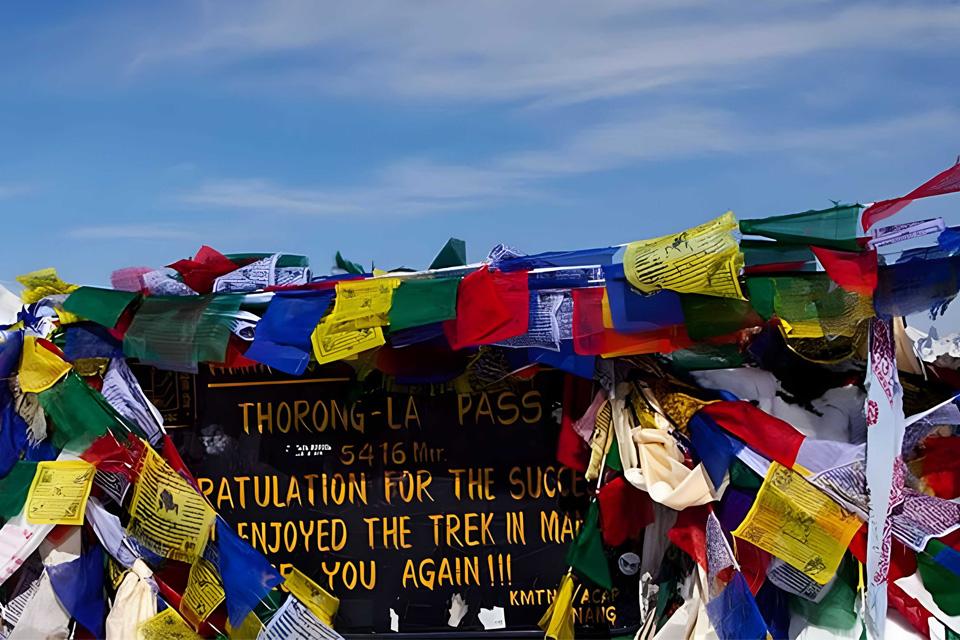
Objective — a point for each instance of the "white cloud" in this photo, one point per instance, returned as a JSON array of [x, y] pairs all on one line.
[[507, 51], [417, 186], [130, 232]]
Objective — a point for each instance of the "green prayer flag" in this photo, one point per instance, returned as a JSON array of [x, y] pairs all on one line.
[[710, 316], [743, 477], [757, 253], [586, 554], [835, 227], [345, 265], [613, 456], [836, 610], [809, 299], [453, 254], [14, 488], [706, 356], [177, 332], [940, 581], [420, 302], [80, 414], [103, 306]]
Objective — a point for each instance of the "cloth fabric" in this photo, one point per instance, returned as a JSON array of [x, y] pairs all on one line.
[[769, 436], [835, 227], [247, 576], [79, 588], [854, 271], [624, 511], [491, 306], [40, 365], [103, 306], [134, 604], [282, 338], [557, 621], [43, 617], [453, 254], [586, 554], [205, 267], [705, 259], [420, 302], [947, 181]]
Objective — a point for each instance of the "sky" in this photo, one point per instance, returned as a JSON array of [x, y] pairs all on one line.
[[133, 133]]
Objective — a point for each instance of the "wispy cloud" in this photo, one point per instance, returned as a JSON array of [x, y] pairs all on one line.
[[130, 232], [418, 186], [574, 52], [14, 190]]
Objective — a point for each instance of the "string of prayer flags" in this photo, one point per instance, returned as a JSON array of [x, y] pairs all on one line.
[[323, 604], [854, 271], [246, 575], [103, 306], [282, 338], [947, 181], [418, 302], [557, 621], [491, 307], [705, 259], [799, 524], [79, 588], [59, 491], [835, 228]]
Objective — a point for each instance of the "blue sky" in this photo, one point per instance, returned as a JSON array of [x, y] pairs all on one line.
[[132, 133]]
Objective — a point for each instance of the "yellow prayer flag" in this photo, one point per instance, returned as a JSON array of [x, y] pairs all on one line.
[[329, 347], [59, 492], [323, 604], [40, 368], [605, 313], [361, 304], [167, 515], [557, 621], [798, 523], [167, 625], [45, 282], [203, 594], [705, 259]]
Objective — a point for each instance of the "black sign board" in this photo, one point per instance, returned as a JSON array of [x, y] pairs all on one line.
[[400, 503]]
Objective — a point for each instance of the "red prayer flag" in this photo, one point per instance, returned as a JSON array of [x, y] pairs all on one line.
[[572, 451], [769, 436], [208, 265], [943, 183], [855, 271], [491, 306], [624, 511], [690, 533]]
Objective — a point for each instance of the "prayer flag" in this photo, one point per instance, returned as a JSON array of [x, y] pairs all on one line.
[[624, 511], [945, 182], [14, 488], [557, 621], [632, 311], [586, 554], [282, 337], [939, 567], [705, 259], [79, 414], [423, 301], [40, 365], [453, 254], [835, 227], [346, 266], [767, 435], [323, 604], [247, 576], [200, 272], [59, 491], [491, 306], [590, 337], [79, 588], [103, 306], [854, 271]]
